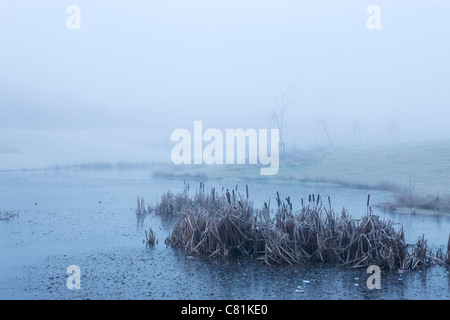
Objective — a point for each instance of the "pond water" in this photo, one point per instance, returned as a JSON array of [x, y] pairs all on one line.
[[87, 218]]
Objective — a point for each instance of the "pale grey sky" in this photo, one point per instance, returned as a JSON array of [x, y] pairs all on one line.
[[162, 64]]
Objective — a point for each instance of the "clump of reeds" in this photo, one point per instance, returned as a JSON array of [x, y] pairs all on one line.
[[150, 238], [171, 204], [215, 225], [316, 234], [228, 225], [444, 256], [141, 211]]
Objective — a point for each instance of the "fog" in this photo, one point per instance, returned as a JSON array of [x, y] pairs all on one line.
[[137, 70]]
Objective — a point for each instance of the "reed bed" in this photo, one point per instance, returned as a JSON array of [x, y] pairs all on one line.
[[218, 226], [174, 204], [226, 224]]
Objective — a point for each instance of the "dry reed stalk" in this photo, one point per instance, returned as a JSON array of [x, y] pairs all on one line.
[[150, 238]]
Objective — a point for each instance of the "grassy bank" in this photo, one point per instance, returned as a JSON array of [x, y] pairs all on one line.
[[418, 174]]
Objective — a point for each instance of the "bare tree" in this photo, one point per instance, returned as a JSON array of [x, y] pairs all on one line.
[[282, 105]]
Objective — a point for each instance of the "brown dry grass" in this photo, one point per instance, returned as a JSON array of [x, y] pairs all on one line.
[[226, 224]]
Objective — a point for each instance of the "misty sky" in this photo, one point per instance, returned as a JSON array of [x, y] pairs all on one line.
[[161, 64]]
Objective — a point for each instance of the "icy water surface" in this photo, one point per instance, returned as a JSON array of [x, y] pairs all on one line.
[[87, 218]]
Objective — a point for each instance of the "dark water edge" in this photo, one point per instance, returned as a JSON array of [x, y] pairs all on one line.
[[88, 219]]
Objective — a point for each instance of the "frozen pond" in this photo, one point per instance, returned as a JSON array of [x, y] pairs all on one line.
[[87, 218]]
